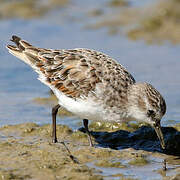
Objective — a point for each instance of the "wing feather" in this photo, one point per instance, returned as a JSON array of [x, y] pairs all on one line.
[[75, 72]]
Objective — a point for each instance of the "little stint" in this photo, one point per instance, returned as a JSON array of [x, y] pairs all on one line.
[[92, 86]]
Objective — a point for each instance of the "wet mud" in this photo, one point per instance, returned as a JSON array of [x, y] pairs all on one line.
[[27, 152], [155, 23], [160, 25], [29, 9]]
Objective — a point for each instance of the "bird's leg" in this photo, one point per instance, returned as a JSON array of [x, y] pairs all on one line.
[[54, 113], [85, 123], [54, 137]]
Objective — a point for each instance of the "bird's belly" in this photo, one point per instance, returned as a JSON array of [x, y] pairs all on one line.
[[86, 108]]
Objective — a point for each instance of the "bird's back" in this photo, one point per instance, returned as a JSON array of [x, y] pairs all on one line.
[[77, 73]]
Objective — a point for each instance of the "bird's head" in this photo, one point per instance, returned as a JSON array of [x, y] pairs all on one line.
[[146, 104]]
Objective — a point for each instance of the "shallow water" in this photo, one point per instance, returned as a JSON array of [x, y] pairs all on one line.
[[148, 172]]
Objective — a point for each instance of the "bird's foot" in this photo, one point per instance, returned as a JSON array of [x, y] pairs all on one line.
[[54, 140]]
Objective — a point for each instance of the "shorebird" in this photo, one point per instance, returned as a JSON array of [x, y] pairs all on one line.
[[92, 86]]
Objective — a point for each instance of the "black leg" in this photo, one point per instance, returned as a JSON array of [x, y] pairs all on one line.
[[54, 137], [54, 113], [85, 123]]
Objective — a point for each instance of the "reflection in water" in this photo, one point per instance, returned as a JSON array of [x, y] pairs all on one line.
[[28, 9]]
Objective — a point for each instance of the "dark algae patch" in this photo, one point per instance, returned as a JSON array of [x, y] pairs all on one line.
[[143, 138]]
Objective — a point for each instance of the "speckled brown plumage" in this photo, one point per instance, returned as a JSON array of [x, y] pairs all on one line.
[[76, 72], [92, 85]]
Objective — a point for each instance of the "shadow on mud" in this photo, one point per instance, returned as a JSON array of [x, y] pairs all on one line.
[[144, 138]]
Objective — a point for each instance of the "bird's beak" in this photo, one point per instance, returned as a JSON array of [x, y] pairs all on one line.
[[157, 127]]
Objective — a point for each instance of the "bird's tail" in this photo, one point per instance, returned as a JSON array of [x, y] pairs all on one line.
[[19, 49], [24, 51]]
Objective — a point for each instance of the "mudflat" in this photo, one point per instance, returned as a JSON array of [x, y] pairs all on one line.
[[27, 153]]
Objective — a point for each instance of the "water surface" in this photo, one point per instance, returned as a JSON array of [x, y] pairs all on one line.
[[66, 28]]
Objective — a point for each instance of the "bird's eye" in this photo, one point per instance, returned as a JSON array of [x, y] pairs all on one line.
[[150, 113]]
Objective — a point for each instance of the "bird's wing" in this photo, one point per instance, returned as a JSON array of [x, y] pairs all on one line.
[[74, 72]]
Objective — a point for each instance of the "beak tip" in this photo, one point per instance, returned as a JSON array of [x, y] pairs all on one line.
[[159, 133]]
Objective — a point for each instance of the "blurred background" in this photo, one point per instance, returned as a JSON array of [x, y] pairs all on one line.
[[142, 35]]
